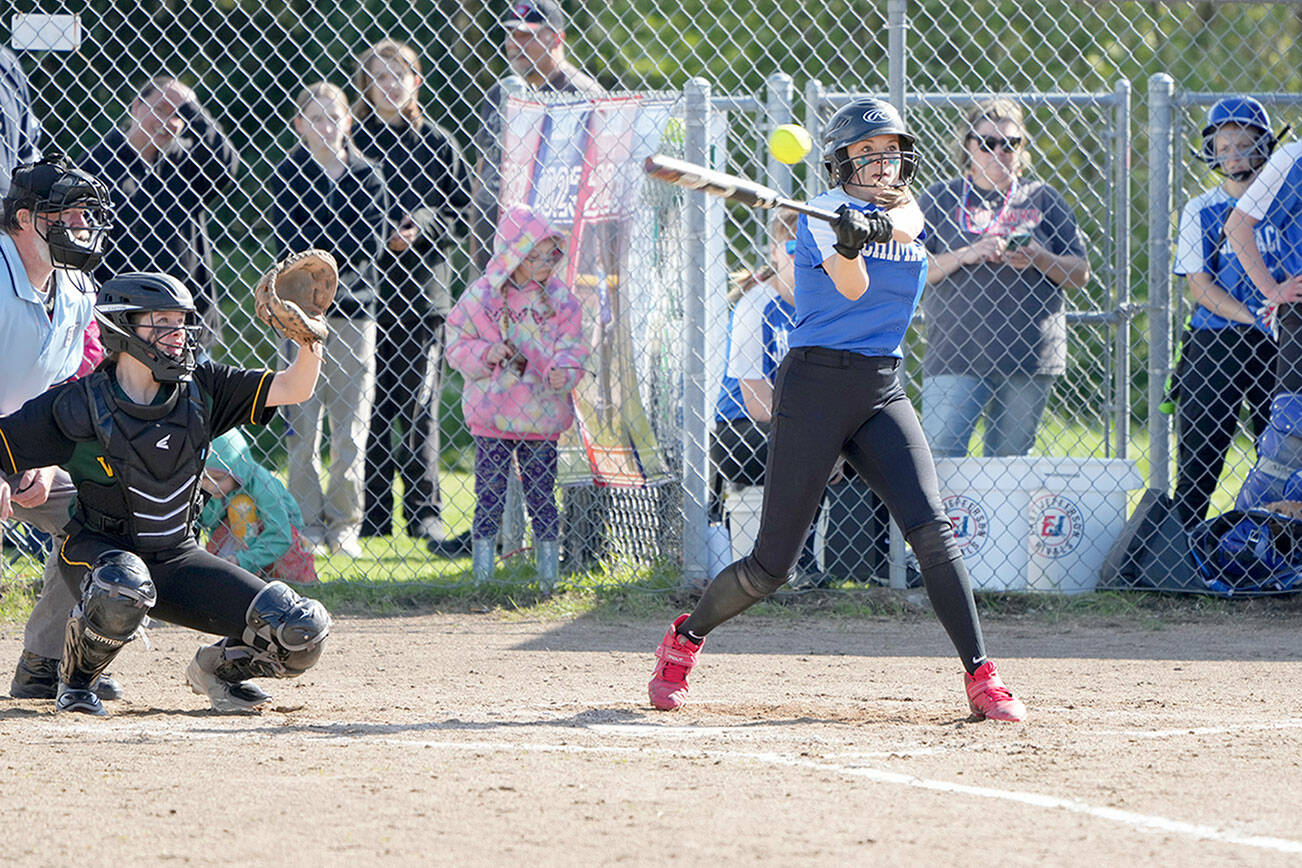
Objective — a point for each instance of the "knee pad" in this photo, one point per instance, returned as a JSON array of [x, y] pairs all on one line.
[[285, 636], [116, 595], [757, 581], [934, 544]]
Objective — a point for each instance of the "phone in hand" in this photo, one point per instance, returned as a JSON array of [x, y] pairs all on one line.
[[1018, 239]]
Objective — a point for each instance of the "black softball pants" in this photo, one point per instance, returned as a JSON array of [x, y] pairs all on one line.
[[1220, 370], [195, 589]]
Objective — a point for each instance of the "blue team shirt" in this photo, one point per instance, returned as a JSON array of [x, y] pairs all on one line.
[[1275, 197], [874, 325], [1202, 249], [759, 332]]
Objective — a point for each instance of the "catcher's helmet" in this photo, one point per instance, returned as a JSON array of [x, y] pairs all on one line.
[[1250, 114], [133, 293], [54, 185], [859, 120]]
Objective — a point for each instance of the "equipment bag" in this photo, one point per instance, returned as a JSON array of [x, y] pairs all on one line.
[[1248, 552]]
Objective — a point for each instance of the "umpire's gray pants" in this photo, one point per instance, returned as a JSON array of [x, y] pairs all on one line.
[[44, 633]]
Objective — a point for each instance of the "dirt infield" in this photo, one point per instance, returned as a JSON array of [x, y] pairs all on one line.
[[471, 739]]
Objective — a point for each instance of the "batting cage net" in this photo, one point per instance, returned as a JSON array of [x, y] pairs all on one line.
[[545, 367]]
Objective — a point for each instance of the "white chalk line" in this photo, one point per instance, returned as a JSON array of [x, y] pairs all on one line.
[[1291, 723], [1142, 822]]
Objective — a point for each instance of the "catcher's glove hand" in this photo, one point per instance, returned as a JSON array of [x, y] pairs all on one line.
[[295, 294]]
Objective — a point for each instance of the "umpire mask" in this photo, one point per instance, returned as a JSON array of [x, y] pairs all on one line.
[[52, 188]]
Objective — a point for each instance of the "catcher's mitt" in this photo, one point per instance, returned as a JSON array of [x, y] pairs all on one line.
[[295, 294]]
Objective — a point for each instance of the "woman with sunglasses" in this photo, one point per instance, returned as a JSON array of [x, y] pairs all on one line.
[[837, 393], [1003, 249]]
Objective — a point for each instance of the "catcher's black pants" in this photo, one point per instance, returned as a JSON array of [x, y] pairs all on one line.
[[1220, 370], [195, 589], [404, 436]]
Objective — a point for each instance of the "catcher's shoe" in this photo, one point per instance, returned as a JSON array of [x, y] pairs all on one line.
[[225, 696], [37, 677], [73, 699], [677, 656], [989, 699]]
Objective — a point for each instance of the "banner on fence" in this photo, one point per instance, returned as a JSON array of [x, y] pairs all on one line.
[[579, 164]]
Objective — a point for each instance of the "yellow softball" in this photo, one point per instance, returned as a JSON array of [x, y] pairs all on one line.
[[790, 143]]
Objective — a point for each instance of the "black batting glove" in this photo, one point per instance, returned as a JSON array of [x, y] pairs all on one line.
[[855, 229]]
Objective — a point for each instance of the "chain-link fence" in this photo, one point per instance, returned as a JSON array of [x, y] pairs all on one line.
[[220, 177]]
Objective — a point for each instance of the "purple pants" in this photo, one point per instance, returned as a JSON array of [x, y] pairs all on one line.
[[537, 459]]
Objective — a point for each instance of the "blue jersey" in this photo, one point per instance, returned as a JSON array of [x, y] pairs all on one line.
[[1203, 249], [1275, 197], [758, 338], [873, 325]]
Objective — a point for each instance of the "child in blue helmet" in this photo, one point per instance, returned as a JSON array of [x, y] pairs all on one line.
[[837, 393], [1269, 214], [1228, 356]]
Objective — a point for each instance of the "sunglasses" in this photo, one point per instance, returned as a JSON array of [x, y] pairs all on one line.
[[990, 143], [555, 256]]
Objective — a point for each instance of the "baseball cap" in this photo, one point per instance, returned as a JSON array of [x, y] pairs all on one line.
[[533, 14]]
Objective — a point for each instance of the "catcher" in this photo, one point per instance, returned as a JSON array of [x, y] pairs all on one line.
[[133, 436]]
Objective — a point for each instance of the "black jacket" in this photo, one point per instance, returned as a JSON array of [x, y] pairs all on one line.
[[160, 210], [347, 217], [427, 179]]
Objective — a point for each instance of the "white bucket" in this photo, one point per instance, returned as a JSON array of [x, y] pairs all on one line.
[[744, 506], [1043, 524]]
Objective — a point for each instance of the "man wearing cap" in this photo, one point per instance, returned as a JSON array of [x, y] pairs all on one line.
[[168, 166], [534, 46], [20, 131], [55, 224]]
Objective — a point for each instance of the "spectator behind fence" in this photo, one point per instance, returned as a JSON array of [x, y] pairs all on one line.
[[517, 337], [20, 131], [55, 223], [758, 328], [534, 33], [252, 519], [164, 172], [1274, 201], [327, 195], [1002, 249], [1228, 353], [428, 193]]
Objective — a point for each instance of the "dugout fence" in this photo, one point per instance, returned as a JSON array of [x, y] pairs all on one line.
[[1120, 157]]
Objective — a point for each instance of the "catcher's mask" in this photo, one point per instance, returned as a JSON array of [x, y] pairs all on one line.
[[1246, 112], [863, 119], [119, 302], [48, 189]]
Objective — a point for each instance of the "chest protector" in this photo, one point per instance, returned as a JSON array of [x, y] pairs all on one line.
[[155, 455]]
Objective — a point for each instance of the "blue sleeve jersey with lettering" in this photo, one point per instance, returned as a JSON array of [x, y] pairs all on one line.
[[41, 349], [758, 337], [1202, 249], [874, 324], [1275, 197]]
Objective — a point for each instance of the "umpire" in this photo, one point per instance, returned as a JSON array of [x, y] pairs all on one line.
[[55, 222]]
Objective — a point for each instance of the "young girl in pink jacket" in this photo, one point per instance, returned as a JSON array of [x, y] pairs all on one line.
[[517, 337]]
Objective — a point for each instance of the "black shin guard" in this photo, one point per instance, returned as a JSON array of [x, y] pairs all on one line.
[[117, 595], [945, 577], [738, 586]]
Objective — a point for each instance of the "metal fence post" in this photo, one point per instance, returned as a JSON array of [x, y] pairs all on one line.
[[1121, 266], [1161, 89], [897, 24], [695, 394], [779, 94]]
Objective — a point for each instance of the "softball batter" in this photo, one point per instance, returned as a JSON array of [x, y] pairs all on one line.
[[858, 282]]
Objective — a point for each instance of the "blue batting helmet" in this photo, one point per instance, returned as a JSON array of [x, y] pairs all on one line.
[[1246, 112], [862, 119]]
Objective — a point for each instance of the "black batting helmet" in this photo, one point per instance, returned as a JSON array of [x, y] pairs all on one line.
[[53, 185], [861, 119], [141, 292]]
